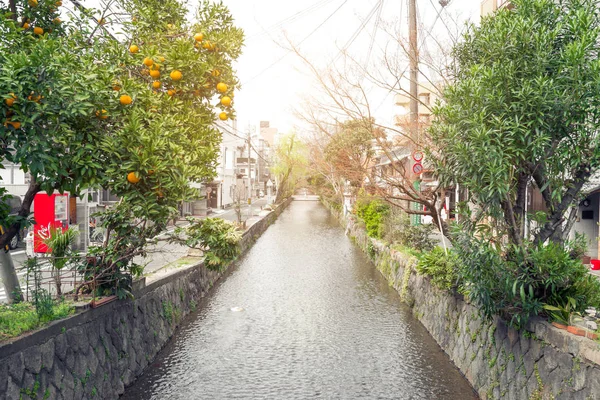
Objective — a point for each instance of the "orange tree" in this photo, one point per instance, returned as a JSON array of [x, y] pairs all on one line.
[[81, 109], [51, 86], [176, 79]]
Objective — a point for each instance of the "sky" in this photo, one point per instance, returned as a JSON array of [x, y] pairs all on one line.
[[275, 81]]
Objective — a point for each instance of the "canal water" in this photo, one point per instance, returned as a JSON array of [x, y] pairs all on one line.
[[304, 315]]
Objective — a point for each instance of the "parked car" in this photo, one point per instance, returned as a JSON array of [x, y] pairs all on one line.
[[14, 203]]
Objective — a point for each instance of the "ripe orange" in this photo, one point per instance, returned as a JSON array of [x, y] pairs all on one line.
[[226, 101], [133, 177], [207, 45], [198, 37], [38, 31], [34, 97], [102, 114], [125, 99], [223, 116], [58, 3], [156, 84], [148, 62], [57, 20], [215, 72], [161, 59], [155, 74], [101, 21], [26, 25], [14, 124], [171, 92], [32, 3], [134, 49], [10, 101], [221, 87], [176, 75]]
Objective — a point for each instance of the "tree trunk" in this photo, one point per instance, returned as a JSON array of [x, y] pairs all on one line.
[[9, 278]]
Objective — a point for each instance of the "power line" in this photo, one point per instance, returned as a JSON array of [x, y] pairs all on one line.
[[358, 31], [302, 41], [443, 22], [377, 20], [291, 18], [245, 139]]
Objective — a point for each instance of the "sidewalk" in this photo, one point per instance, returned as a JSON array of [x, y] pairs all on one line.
[[165, 254]]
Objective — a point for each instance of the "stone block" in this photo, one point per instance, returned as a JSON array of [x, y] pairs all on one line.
[[3, 376], [77, 339], [16, 367], [13, 391], [60, 346], [68, 380], [32, 358], [47, 353], [70, 359], [81, 366]]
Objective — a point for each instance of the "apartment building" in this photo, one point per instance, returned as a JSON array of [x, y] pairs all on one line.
[[489, 6]]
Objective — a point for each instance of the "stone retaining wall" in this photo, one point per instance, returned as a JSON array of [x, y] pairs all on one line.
[[98, 352], [540, 362]]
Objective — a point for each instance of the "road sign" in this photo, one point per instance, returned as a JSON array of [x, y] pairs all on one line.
[[417, 168], [417, 155]]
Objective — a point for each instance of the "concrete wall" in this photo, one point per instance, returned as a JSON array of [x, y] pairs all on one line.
[[98, 352], [541, 362]]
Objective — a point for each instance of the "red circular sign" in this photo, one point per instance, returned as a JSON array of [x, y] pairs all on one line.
[[417, 168], [417, 155]]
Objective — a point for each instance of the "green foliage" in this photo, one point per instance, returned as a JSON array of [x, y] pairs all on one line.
[[290, 164], [109, 268], [18, 318], [59, 242], [523, 106], [216, 237], [398, 229], [372, 212], [442, 268], [561, 313], [518, 283], [69, 129], [350, 150]]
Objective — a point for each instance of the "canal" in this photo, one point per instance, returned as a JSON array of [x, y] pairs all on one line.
[[303, 315]]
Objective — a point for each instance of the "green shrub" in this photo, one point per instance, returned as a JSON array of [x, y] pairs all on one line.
[[216, 237], [372, 212], [518, 282], [441, 267], [398, 229], [16, 319]]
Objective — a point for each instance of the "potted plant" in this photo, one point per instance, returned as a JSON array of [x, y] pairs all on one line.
[[560, 316]]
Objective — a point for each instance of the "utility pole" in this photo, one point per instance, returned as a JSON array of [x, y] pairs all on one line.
[[249, 179], [413, 56]]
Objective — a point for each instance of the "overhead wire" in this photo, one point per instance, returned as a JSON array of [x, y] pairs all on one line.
[[374, 35], [429, 33], [226, 128], [300, 43], [442, 19], [291, 18], [360, 28]]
